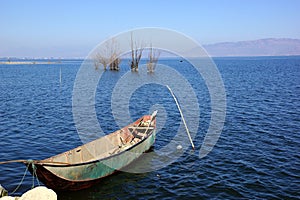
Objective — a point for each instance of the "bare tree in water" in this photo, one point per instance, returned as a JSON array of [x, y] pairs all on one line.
[[153, 59], [108, 55], [114, 62], [100, 59], [136, 54]]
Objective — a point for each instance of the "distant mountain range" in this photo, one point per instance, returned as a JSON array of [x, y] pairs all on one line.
[[262, 47]]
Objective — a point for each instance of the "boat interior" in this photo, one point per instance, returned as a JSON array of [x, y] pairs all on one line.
[[108, 145]]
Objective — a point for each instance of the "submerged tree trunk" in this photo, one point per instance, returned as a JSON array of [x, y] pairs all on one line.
[[114, 62], [136, 55], [153, 59], [100, 59], [108, 55]]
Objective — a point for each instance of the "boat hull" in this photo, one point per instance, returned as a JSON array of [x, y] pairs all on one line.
[[84, 175]]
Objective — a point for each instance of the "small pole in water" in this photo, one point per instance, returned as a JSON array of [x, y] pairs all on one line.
[[186, 128], [60, 76]]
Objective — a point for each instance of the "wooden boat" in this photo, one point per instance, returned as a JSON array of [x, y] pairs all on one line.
[[85, 165]]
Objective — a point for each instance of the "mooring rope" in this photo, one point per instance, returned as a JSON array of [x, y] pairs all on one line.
[[34, 175], [32, 164], [21, 180]]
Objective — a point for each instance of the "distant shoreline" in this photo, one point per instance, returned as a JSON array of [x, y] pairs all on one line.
[[27, 62], [61, 61]]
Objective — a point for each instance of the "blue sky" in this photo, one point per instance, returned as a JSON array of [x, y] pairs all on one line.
[[73, 28]]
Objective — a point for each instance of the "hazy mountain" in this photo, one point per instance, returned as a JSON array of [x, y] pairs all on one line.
[[262, 47]]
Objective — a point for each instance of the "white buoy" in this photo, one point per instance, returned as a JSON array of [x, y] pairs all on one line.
[[179, 147]]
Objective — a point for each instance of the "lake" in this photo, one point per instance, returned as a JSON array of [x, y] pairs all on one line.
[[256, 157]]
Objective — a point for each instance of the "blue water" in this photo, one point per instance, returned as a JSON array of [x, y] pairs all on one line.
[[257, 155]]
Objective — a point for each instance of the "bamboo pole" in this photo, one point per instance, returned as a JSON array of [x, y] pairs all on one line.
[[13, 161], [34, 162], [186, 128], [60, 78]]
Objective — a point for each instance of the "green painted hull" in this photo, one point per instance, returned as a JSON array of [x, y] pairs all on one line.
[[104, 167], [82, 175]]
